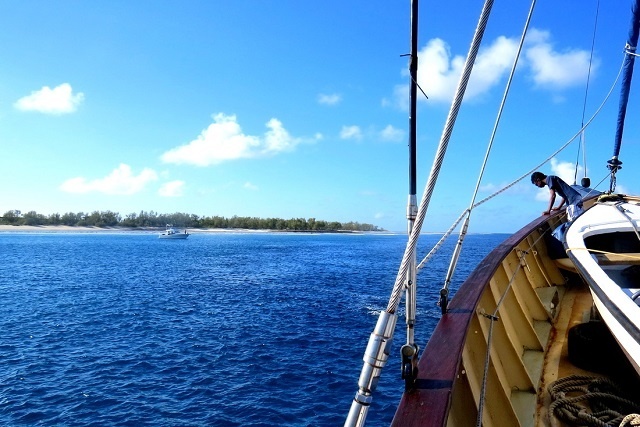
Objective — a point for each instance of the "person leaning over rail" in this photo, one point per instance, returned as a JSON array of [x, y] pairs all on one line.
[[561, 188]]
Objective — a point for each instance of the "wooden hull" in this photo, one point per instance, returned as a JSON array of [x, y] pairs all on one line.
[[539, 300]]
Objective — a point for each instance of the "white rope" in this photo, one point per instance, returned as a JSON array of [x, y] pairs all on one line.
[[631, 420]]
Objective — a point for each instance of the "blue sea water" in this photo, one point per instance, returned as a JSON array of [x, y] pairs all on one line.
[[225, 329]]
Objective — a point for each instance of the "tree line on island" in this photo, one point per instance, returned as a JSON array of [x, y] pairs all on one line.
[[153, 219]]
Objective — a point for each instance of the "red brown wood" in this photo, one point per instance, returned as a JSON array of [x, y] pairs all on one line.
[[428, 404]]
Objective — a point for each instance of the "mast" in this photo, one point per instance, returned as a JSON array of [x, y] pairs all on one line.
[[409, 351], [630, 49], [377, 351]]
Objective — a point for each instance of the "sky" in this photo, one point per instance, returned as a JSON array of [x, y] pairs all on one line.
[[294, 109]]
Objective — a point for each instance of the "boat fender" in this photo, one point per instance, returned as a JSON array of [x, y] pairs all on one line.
[[593, 348], [585, 182], [443, 303]]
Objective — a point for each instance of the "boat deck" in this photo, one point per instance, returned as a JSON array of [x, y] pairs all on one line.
[[576, 308]]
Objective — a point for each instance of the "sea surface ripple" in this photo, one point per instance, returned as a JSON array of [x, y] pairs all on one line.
[[225, 329]]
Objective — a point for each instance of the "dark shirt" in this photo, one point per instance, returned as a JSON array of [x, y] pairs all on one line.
[[564, 190]]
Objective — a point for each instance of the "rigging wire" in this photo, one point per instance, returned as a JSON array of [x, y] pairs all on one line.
[[444, 292], [584, 105], [527, 174], [377, 351], [410, 249]]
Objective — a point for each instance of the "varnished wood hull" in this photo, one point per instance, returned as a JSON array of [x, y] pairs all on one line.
[[539, 300]]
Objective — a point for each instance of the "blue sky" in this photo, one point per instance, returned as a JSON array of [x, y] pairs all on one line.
[[297, 109]]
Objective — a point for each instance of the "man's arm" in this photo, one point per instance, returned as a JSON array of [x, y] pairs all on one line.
[[561, 204], [552, 199]]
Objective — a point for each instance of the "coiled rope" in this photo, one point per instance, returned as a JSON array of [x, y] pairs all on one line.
[[591, 401]]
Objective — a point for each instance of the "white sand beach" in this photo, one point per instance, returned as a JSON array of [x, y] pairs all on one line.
[[70, 229]]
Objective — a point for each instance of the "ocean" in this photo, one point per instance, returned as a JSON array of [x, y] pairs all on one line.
[[221, 329]]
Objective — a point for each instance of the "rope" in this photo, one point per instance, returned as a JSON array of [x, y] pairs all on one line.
[[589, 401], [605, 252], [631, 419], [410, 249]]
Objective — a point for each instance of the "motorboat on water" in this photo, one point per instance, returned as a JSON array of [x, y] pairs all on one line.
[[172, 233], [546, 330]]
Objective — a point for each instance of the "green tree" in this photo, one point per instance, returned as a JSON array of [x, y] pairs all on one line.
[[12, 217], [34, 218]]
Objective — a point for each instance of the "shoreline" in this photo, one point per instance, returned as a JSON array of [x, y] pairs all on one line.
[[4, 228], [77, 229]]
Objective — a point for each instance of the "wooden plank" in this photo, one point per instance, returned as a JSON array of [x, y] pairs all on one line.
[[618, 258]]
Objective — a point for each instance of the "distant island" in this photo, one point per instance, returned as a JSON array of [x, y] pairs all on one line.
[[103, 219]]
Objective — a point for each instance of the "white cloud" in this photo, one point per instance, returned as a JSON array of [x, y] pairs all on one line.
[[491, 65], [566, 172], [329, 99], [439, 70], [172, 189], [392, 134], [351, 132], [59, 100], [556, 70], [119, 181], [224, 140], [250, 186]]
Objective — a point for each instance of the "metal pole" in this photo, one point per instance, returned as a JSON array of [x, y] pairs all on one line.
[[409, 351]]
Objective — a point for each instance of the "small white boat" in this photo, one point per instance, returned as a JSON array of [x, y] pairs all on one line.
[[172, 233]]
